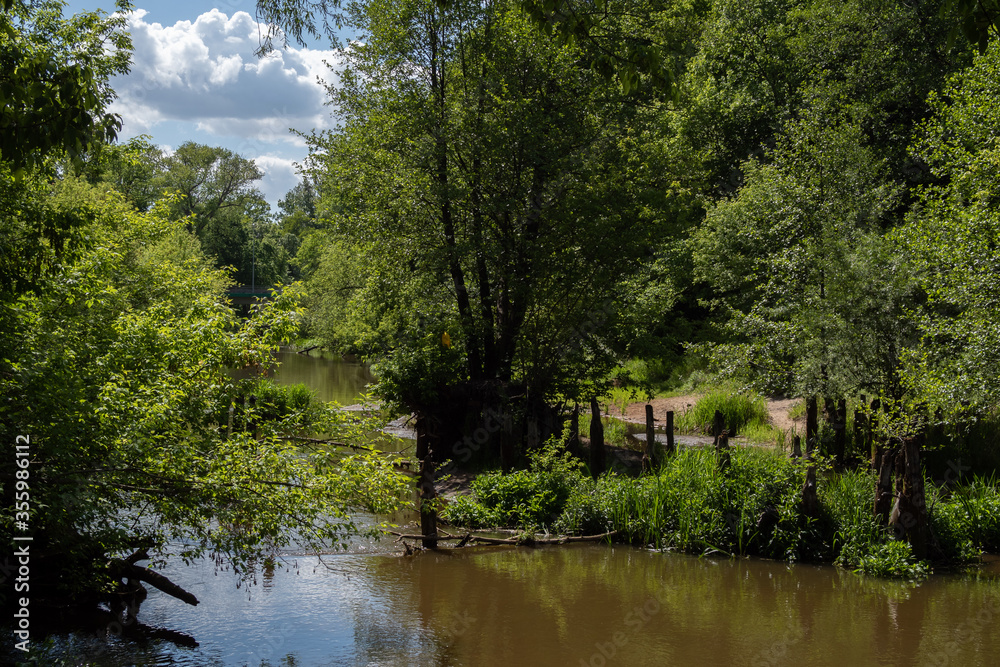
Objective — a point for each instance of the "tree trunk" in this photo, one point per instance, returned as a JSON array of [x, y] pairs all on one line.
[[909, 514], [596, 439], [428, 511]]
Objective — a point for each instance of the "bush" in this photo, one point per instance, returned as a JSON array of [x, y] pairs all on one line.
[[750, 508]]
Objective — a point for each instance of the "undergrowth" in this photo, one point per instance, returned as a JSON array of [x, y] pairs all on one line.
[[751, 508]]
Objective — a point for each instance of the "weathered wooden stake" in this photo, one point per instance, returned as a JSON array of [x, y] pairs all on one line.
[[596, 439], [840, 431], [652, 448], [722, 449], [718, 426], [671, 449], [428, 511], [797, 447]]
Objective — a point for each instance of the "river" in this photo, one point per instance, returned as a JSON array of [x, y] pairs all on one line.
[[572, 605]]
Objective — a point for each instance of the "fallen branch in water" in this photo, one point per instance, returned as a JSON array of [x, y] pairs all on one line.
[[154, 579]]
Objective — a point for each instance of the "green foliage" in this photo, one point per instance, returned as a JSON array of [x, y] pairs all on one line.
[[118, 361], [752, 508], [55, 80], [471, 199], [860, 543], [529, 499], [951, 239], [741, 410]]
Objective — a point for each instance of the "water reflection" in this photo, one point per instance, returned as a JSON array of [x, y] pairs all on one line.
[[332, 378], [571, 605]]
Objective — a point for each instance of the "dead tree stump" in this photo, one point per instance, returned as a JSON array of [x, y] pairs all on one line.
[[428, 506], [909, 514]]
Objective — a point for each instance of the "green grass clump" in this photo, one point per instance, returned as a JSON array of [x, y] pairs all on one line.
[[741, 411]]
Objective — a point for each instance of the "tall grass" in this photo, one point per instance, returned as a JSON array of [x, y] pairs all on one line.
[[741, 411]]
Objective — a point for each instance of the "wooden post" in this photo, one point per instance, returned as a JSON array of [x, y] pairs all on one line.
[[718, 425], [722, 449], [596, 439], [428, 512], [797, 447], [652, 448], [840, 431], [670, 432]]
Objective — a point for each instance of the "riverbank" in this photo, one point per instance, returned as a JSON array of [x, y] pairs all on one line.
[[752, 506]]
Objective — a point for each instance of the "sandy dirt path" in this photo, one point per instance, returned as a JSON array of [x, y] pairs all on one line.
[[636, 412]]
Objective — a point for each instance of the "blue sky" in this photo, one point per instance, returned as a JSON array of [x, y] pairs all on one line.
[[195, 77]]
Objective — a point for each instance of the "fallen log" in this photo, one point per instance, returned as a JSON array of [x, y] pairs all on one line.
[[526, 541], [154, 579]]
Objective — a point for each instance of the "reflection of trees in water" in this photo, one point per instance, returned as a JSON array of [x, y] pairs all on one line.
[[560, 605]]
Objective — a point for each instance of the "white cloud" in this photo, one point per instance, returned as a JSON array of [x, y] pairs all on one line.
[[280, 176], [205, 72]]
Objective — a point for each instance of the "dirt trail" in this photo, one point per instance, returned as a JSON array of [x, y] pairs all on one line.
[[636, 412]]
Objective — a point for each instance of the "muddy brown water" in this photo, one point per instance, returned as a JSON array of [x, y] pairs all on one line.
[[574, 605]]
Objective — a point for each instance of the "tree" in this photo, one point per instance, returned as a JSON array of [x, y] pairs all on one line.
[[952, 239], [130, 168], [117, 370], [54, 73], [227, 212], [815, 296], [472, 172], [116, 377]]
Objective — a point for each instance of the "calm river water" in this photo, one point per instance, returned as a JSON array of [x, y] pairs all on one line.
[[572, 605]]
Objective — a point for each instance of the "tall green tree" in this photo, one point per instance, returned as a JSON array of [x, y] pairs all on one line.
[[816, 298], [117, 368], [952, 238], [473, 169]]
